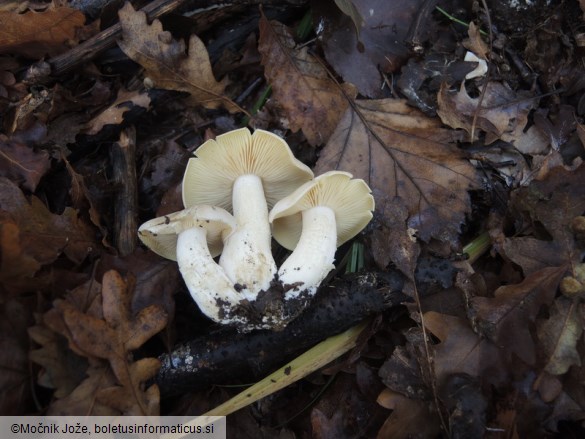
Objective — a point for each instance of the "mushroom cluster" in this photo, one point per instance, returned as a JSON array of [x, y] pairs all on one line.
[[239, 191]]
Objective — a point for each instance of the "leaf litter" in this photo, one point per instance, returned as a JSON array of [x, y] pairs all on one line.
[[475, 349]]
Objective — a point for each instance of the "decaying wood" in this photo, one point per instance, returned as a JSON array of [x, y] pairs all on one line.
[[227, 356], [123, 156], [107, 38]]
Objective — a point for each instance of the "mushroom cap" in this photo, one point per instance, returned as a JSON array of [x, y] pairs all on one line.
[[161, 234], [210, 175], [350, 200]]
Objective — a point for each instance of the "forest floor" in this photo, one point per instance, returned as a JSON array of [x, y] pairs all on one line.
[[465, 119]]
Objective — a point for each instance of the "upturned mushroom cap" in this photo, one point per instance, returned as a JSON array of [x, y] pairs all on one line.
[[160, 234], [350, 200], [210, 175]]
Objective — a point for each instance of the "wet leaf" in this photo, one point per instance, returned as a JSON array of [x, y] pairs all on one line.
[[400, 152], [559, 334], [506, 319], [503, 114], [36, 34], [312, 101], [166, 62], [379, 46]]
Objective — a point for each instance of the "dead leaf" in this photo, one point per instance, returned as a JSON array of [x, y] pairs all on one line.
[[506, 319], [36, 34], [15, 380], [503, 114], [83, 401], [547, 209], [110, 332], [461, 350], [558, 336], [379, 46], [400, 152], [114, 114], [32, 237], [410, 418], [166, 62], [312, 101], [21, 164], [475, 43], [392, 242]]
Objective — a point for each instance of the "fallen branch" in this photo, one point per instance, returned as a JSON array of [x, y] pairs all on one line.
[[227, 356]]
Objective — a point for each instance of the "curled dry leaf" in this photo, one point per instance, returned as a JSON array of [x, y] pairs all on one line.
[[166, 62], [503, 114], [114, 114], [36, 34], [312, 101], [400, 152]]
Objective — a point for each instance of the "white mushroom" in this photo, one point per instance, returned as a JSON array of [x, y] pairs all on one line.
[[246, 174], [192, 237], [314, 220]]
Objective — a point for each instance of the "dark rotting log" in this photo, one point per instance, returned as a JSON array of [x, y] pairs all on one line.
[[227, 356]]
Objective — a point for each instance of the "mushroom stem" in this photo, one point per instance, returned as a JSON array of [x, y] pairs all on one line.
[[313, 257], [209, 286], [247, 255]]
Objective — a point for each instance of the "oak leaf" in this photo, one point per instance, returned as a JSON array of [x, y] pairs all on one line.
[[36, 34], [32, 236], [312, 101], [166, 62], [548, 207], [462, 351], [505, 319], [501, 116], [400, 152], [114, 114]]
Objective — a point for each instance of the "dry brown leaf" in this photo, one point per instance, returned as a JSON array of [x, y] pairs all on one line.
[[475, 43], [114, 114], [410, 418], [62, 370], [503, 114], [506, 319], [166, 62], [461, 350], [312, 101], [559, 334], [32, 236], [108, 329], [400, 152], [552, 203], [83, 401], [36, 34], [21, 164]]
